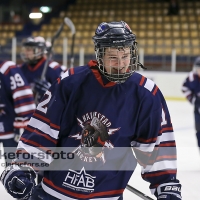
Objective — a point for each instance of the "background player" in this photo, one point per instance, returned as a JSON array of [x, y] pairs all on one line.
[[191, 90], [33, 53], [99, 111], [16, 105]]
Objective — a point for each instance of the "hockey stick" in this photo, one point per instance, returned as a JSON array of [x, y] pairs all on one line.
[[138, 193], [70, 24], [55, 36]]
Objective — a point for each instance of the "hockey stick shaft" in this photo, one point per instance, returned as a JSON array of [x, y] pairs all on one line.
[[72, 52], [138, 193], [70, 24], [57, 34], [42, 77]]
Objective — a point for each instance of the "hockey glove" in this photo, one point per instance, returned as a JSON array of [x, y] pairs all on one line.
[[19, 181], [169, 191], [41, 86]]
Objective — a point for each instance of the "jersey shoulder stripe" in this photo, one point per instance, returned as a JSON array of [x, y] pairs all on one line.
[[149, 85], [53, 64], [5, 67], [72, 71]]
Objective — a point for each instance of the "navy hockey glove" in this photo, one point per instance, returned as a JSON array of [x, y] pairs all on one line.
[[169, 191], [19, 181], [41, 86]]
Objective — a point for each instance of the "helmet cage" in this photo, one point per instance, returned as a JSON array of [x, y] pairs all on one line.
[[37, 54], [37, 47], [118, 77]]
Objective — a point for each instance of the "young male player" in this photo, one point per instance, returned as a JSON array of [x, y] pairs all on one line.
[[87, 125]]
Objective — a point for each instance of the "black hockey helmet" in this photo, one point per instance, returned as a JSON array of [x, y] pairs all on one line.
[[38, 46], [115, 35]]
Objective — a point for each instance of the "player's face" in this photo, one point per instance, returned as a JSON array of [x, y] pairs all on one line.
[[116, 61], [28, 53]]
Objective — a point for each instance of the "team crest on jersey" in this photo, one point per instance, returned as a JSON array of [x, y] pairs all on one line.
[[94, 137]]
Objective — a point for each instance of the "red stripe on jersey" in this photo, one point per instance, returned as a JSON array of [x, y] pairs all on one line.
[[142, 80], [36, 66], [71, 71], [166, 129], [21, 88], [58, 80], [73, 194], [92, 63], [147, 140], [24, 104], [56, 67], [155, 90], [10, 67], [166, 157], [42, 134], [160, 158], [5, 133], [35, 144], [168, 144], [46, 120], [26, 113], [23, 97], [99, 79], [159, 173]]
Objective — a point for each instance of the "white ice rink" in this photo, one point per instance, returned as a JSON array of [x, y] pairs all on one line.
[[188, 156]]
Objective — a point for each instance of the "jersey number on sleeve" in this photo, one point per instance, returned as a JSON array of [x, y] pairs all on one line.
[[16, 81], [42, 106]]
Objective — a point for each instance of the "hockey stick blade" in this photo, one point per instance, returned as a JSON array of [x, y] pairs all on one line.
[[138, 193], [70, 24], [57, 34]]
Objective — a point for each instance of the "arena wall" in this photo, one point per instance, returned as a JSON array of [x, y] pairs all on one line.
[[170, 83]]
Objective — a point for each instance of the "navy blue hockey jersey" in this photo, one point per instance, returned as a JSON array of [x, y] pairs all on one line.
[[31, 73], [136, 118], [191, 88], [16, 99]]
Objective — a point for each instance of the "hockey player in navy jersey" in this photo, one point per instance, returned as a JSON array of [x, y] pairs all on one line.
[[87, 125], [33, 53], [191, 90], [16, 105]]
